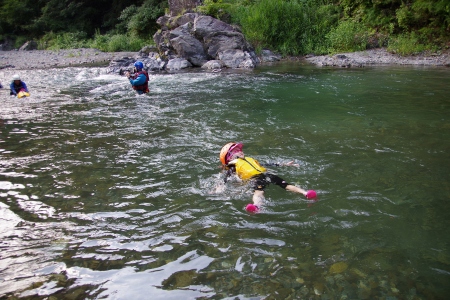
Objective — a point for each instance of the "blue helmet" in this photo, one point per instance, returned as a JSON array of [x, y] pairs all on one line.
[[139, 65]]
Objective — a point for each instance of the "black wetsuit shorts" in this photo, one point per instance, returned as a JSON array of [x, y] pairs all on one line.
[[261, 181]]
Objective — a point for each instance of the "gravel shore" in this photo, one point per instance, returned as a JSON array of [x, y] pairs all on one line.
[[379, 57], [42, 59]]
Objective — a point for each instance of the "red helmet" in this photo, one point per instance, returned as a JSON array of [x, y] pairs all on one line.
[[228, 150]]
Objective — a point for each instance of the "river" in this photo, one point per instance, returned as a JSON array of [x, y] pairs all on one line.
[[105, 194]]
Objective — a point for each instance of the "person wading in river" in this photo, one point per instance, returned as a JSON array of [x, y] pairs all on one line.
[[248, 169], [17, 86], [139, 80]]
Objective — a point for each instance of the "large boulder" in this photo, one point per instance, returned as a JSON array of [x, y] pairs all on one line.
[[199, 38], [193, 40], [224, 40], [189, 48], [206, 25]]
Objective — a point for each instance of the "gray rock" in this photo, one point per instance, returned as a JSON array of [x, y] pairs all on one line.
[[145, 51], [162, 40], [154, 62], [163, 22], [180, 31], [189, 48], [198, 39], [223, 40], [183, 19], [178, 64], [213, 65], [120, 66], [30, 45], [269, 56], [235, 58], [206, 25]]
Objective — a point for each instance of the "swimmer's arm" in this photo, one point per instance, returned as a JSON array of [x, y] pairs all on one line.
[[229, 172], [220, 187], [291, 164]]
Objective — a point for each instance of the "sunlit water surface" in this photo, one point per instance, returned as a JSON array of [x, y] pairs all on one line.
[[109, 195]]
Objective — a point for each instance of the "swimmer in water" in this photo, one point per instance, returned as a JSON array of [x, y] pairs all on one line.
[[234, 162]]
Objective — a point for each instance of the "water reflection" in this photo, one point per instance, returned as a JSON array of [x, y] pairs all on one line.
[[106, 194]]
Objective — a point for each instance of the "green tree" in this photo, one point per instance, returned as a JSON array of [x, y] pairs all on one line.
[[17, 16], [141, 20], [72, 15]]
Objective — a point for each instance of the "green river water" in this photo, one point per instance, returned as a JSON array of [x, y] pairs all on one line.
[[108, 195]]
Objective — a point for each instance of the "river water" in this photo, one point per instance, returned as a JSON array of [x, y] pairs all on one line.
[[108, 195]]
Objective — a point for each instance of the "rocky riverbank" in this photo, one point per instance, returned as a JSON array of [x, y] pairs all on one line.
[[43, 59], [379, 57]]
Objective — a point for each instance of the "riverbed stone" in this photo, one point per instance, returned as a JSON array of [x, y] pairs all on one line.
[[338, 267]]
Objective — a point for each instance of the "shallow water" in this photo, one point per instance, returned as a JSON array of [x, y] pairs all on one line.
[[109, 195]]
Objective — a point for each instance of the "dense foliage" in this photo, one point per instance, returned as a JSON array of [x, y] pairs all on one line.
[[325, 26], [291, 27], [111, 25]]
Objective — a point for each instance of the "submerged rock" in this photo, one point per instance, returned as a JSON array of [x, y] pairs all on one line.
[[338, 267]]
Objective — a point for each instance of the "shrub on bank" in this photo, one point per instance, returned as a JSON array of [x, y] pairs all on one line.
[[348, 36], [118, 42], [105, 42], [289, 27], [297, 27], [409, 44], [66, 40]]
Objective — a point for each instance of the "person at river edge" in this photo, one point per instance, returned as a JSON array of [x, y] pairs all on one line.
[[17, 85], [248, 169], [139, 80]]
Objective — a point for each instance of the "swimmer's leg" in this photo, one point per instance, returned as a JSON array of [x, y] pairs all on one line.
[[258, 198], [295, 189], [283, 184]]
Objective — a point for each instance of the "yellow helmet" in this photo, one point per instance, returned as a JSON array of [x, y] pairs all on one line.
[[228, 150]]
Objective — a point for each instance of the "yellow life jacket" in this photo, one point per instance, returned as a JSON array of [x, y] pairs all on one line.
[[22, 94], [247, 167]]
